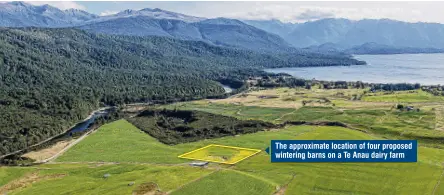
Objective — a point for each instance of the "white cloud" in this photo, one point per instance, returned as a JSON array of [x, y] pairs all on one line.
[[59, 4], [108, 12], [304, 11], [313, 14]]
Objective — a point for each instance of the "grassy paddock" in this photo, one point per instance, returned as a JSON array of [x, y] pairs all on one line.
[[255, 175], [228, 182], [122, 142], [220, 154], [402, 96], [359, 178], [386, 122], [89, 178], [8, 174]]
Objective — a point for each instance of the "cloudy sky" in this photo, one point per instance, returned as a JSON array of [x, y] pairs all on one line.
[[284, 11]]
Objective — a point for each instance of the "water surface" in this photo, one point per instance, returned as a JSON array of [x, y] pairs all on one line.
[[427, 69], [227, 88], [84, 125]]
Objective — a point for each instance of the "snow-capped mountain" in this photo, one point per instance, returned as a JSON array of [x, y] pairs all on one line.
[[148, 13], [20, 14], [144, 22], [158, 14]]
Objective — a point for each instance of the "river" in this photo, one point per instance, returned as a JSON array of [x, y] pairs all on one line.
[[227, 88], [426, 69], [80, 126], [85, 124]]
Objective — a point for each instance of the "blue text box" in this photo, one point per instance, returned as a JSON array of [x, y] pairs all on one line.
[[344, 151]]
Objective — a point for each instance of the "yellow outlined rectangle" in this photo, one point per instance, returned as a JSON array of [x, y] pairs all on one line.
[[253, 152]]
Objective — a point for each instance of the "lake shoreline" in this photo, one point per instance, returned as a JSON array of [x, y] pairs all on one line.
[[424, 69]]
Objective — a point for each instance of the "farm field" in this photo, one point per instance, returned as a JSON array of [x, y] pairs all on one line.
[[359, 109], [265, 177], [130, 155], [228, 182], [133, 145], [220, 154], [403, 96], [89, 178]]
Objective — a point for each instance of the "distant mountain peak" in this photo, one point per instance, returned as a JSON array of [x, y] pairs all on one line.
[[76, 10], [223, 21], [125, 12], [155, 13], [21, 14], [19, 3]]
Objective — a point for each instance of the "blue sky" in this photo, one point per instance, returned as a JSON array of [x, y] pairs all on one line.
[[284, 11]]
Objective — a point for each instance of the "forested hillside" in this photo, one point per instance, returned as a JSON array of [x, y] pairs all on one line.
[[52, 78], [219, 31]]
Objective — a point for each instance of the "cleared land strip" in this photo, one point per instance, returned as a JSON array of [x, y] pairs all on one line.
[[67, 147], [27, 180], [439, 114], [127, 163]]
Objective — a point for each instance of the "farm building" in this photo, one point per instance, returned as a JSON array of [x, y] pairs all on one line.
[[199, 164]]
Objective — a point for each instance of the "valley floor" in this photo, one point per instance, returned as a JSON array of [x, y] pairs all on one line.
[[121, 159]]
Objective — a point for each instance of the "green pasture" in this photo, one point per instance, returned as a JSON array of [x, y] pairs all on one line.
[[131, 155], [402, 97], [228, 182], [89, 178]]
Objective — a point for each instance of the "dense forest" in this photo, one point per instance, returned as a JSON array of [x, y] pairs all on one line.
[[52, 78], [181, 126]]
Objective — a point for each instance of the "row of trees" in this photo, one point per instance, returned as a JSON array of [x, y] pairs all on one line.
[[289, 81]]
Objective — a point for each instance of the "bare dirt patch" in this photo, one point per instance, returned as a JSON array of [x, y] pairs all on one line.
[[27, 180], [135, 108], [296, 98], [149, 188], [262, 100], [283, 189], [48, 152]]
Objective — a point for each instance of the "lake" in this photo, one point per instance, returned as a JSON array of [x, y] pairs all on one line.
[[427, 69]]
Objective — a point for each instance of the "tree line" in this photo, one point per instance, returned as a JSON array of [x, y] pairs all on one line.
[[284, 80]]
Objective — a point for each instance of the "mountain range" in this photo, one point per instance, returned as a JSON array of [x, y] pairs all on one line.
[[371, 48], [20, 14], [349, 33], [218, 31], [259, 35]]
